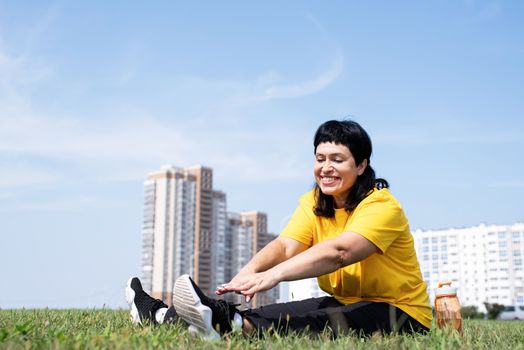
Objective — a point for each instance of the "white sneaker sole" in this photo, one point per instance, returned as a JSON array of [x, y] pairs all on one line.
[[189, 306], [130, 298]]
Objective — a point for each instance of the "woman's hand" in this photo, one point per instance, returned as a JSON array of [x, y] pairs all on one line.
[[259, 282], [273, 254], [251, 283], [230, 286]]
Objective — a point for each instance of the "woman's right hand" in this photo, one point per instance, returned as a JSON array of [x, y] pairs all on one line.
[[233, 284]]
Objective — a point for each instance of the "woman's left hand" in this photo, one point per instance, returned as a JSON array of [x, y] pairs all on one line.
[[253, 283]]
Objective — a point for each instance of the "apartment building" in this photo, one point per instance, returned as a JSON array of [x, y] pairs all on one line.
[[248, 234], [168, 240], [484, 262], [222, 247], [186, 229], [203, 249]]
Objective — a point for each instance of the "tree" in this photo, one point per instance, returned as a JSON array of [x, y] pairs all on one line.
[[471, 312], [493, 310]]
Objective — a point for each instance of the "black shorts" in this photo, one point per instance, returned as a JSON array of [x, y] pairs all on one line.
[[318, 314]]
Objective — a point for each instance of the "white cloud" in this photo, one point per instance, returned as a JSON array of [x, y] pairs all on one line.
[[12, 177], [129, 148], [132, 141], [305, 88], [509, 184]]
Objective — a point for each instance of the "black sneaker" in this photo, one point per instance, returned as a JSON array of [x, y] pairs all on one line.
[[143, 306], [205, 316]]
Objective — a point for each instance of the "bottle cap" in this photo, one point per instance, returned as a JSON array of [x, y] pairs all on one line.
[[445, 288]]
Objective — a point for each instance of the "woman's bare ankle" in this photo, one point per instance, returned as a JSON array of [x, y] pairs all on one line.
[[247, 327]]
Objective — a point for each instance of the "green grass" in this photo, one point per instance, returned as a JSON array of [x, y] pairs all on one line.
[[110, 329]]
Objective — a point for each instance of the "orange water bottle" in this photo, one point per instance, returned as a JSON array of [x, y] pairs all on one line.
[[447, 307]]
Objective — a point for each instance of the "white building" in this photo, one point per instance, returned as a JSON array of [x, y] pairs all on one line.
[[241, 233], [484, 262], [247, 232], [221, 241], [301, 289], [168, 239]]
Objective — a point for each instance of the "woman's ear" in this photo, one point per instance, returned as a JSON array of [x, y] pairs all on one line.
[[362, 166]]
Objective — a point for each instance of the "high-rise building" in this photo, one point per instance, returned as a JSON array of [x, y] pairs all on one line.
[[270, 296], [222, 241], [186, 229], [241, 233], [259, 222], [243, 230], [203, 250], [168, 238], [485, 262], [240, 236], [258, 240]]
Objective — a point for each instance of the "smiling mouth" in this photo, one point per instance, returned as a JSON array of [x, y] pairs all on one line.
[[326, 180]]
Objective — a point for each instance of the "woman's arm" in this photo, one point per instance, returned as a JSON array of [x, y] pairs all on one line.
[[277, 251], [322, 258]]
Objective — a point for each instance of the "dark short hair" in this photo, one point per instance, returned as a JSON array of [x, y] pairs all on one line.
[[350, 134]]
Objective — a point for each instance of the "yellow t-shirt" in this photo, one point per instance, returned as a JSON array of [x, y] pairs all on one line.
[[391, 275]]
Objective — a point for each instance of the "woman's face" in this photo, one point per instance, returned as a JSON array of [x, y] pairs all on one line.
[[335, 171]]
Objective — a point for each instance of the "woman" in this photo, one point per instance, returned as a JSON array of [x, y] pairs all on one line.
[[350, 233]]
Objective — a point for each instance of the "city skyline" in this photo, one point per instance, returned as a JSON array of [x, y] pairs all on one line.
[[187, 229], [95, 95]]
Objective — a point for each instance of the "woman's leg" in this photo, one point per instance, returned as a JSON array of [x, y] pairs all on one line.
[[291, 316], [317, 314], [212, 318]]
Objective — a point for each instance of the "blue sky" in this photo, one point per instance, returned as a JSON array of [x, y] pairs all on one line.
[[94, 95]]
